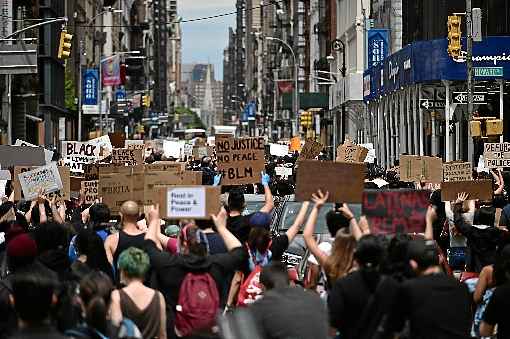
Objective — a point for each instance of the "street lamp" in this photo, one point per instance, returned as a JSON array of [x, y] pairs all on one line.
[[101, 85], [296, 94], [339, 46]]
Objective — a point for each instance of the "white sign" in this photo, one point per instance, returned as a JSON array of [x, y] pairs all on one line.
[[481, 165], [46, 178], [3, 183], [188, 150], [283, 171], [5, 175], [186, 202], [496, 155], [134, 144], [62, 128], [173, 149], [370, 158], [75, 154], [90, 109], [48, 155], [278, 150], [104, 145]]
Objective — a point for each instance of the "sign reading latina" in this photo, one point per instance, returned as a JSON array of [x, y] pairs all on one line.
[[497, 155]]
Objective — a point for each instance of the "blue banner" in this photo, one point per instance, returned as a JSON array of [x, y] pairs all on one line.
[[249, 111], [377, 45], [120, 94], [90, 86]]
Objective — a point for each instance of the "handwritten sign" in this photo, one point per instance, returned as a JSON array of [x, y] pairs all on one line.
[[477, 189], [240, 160], [134, 144], [128, 157], [45, 178], [279, 150], [496, 155], [60, 195], [457, 171], [104, 145], [349, 152], [89, 189], [196, 202], [202, 151], [283, 171], [173, 149], [75, 154], [415, 168], [311, 149], [396, 211]]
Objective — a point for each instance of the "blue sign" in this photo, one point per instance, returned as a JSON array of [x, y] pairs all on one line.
[[120, 94], [377, 43], [90, 86], [249, 111]]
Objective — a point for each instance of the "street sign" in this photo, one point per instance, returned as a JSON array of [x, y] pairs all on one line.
[[492, 72], [432, 104], [90, 109], [461, 98]]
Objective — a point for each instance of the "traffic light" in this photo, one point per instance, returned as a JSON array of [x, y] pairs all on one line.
[[146, 101], [64, 48], [306, 119], [454, 36]]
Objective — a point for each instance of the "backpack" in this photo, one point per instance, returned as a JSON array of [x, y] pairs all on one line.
[[127, 330], [198, 304], [251, 288]]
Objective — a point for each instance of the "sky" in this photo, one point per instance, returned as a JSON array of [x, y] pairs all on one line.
[[204, 41]]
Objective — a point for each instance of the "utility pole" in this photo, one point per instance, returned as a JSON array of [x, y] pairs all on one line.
[[469, 57]]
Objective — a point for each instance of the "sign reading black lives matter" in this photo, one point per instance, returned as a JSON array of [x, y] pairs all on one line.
[[75, 154], [240, 160], [496, 155]]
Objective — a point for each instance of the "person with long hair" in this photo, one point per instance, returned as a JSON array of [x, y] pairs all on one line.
[[341, 260], [145, 306], [91, 255]]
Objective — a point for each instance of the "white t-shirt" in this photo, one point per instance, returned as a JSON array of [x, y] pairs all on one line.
[[325, 248], [457, 240]]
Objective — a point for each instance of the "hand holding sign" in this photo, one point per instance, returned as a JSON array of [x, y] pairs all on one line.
[[461, 197], [319, 198]]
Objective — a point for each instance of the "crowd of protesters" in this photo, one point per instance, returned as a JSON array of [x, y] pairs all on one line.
[[67, 270]]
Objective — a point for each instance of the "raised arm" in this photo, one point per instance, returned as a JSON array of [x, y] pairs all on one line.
[[298, 222], [55, 210], [220, 220], [319, 199], [461, 224], [356, 230], [429, 221], [154, 228], [268, 196]]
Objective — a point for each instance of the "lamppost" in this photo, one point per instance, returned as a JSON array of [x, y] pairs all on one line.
[[101, 86], [296, 94], [338, 45]]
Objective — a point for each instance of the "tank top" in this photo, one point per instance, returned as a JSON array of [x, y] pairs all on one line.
[[126, 241], [147, 320]]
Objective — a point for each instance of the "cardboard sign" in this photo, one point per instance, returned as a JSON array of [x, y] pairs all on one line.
[[89, 189], [5, 175], [477, 189], [116, 188], [195, 202], [415, 168], [134, 144], [349, 152], [153, 180], [63, 194], [240, 160], [295, 144], [278, 150], [202, 151], [496, 155], [104, 145], [344, 181], [283, 171], [370, 158], [311, 149], [75, 154], [169, 166], [11, 156], [457, 171], [396, 211], [46, 178], [48, 155], [128, 157]]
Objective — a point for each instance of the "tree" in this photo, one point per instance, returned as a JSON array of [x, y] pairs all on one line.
[[70, 91]]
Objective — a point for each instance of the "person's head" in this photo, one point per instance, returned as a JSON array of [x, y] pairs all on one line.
[[340, 261], [259, 239], [99, 213], [193, 240], [236, 202], [51, 236], [95, 291], [369, 252], [484, 216], [90, 244], [129, 212], [274, 275], [335, 220], [396, 262], [422, 255], [33, 294], [21, 251], [133, 264], [172, 231]]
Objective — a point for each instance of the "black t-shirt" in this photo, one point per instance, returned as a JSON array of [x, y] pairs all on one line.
[[497, 310], [437, 306], [240, 226], [216, 244], [291, 312]]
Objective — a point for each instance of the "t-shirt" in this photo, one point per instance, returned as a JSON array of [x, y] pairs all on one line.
[[240, 226], [325, 248], [216, 244], [497, 310], [437, 306], [291, 312]]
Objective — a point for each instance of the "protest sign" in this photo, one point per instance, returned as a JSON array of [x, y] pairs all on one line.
[[187, 150], [128, 157], [153, 180], [240, 160], [278, 150], [5, 175], [3, 184], [48, 155], [104, 145], [295, 144], [121, 184], [169, 166], [75, 154], [45, 178], [202, 151], [89, 189], [311, 149], [343, 181], [196, 202], [173, 149], [283, 171], [477, 189], [396, 211], [370, 158], [415, 168], [61, 195], [192, 178], [496, 155], [349, 152], [135, 144], [457, 171], [11, 156], [481, 165]]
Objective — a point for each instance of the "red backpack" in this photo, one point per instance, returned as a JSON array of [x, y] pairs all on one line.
[[198, 304], [251, 288]]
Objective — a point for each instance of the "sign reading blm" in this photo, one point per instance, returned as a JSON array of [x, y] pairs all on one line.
[[240, 160]]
